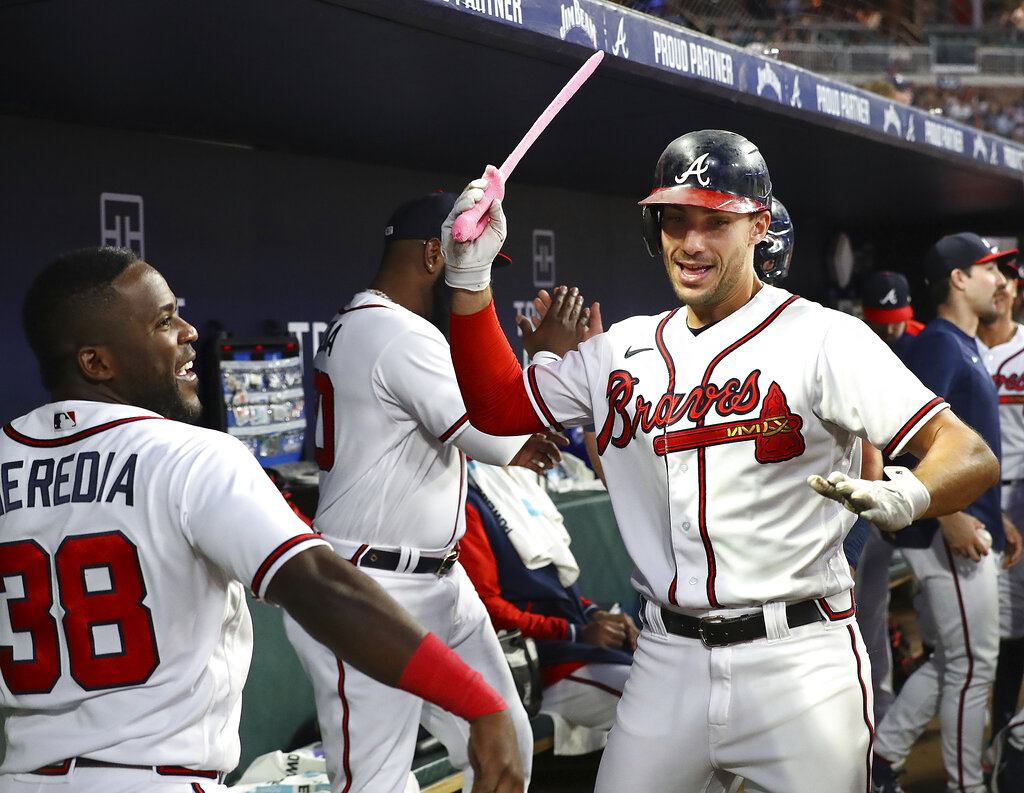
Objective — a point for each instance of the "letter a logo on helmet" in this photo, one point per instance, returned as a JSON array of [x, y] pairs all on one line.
[[732, 176], [697, 168]]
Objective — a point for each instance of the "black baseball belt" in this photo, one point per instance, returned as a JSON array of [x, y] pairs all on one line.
[[722, 631], [380, 559]]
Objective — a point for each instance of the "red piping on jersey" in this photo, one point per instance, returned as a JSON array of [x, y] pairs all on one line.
[[461, 503], [355, 557], [345, 739], [14, 435], [701, 459], [906, 428], [970, 671], [197, 788], [835, 616], [178, 770], [865, 710], [444, 436], [659, 341], [531, 376], [275, 555], [999, 370]]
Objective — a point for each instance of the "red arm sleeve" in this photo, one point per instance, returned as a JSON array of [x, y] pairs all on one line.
[[490, 377], [478, 560]]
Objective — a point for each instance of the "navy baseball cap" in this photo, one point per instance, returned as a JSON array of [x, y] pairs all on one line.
[[960, 251], [885, 297], [421, 219]]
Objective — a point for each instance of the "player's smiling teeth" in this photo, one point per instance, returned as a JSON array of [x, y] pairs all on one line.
[[184, 370]]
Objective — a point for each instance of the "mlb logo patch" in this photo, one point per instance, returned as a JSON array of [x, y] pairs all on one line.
[[64, 421]]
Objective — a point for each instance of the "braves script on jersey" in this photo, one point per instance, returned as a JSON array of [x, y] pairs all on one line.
[[707, 441], [124, 634]]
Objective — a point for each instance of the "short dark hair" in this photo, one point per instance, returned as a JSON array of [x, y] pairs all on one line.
[[60, 297], [939, 290]]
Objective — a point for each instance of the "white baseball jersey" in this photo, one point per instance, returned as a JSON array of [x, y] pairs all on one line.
[[1005, 362], [708, 440], [389, 429], [124, 634]]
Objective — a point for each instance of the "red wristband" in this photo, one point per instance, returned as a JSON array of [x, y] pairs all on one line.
[[435, 673]]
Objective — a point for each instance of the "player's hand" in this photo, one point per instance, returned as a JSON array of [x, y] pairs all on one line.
[[963, 534], [604, 633], [561, 322], [626, 621], [494, 754], [540, 452], [1014, 543], [467, 265], [890, 504]]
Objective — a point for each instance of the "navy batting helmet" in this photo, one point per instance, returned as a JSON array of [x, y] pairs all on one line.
[[773, 254], [711, 168]]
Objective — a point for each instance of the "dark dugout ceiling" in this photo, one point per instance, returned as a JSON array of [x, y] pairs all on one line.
[[451, 85]]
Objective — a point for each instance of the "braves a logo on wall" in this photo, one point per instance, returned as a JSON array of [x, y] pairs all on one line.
[[775, 431]]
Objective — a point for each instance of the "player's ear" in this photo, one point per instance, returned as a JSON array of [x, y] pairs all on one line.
[[759, 228], [433, 258], [96, 363]]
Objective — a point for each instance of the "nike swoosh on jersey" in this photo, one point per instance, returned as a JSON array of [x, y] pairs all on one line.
[[630, 352]]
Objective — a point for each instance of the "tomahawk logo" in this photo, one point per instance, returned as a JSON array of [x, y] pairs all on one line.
[[890, 297], [64, 421], [697, 168]]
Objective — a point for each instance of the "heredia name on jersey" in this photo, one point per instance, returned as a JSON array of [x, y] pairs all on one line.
[[775, 431], [74, 478]]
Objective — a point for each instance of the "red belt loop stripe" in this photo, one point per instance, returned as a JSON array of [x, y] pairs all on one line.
[[64, 767]]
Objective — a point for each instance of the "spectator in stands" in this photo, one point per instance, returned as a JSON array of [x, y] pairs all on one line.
[[516, 552]]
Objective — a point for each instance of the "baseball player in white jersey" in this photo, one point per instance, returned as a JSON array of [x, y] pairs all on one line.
[[1000, 341], [712, 419], [391, 443], [126, 539]]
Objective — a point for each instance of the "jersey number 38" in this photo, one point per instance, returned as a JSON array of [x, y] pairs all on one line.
[[108, 632]]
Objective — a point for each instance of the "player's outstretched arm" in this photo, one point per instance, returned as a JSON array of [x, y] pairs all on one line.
[[489, 374], [956, 466], [349, 613]]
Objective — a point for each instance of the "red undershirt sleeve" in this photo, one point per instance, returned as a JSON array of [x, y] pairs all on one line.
[[490, 377], [477, 558]]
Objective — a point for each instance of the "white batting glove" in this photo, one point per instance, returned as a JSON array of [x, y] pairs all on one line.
[[467, 265], [890, 504]]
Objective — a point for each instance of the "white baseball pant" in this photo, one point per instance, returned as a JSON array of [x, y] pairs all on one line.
[[779, 712], [954, 682], [369, 729]]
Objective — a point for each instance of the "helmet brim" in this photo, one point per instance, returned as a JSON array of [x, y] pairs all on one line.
[[711, 199]]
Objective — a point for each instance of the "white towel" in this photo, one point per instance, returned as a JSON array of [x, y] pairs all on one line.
[[531, 520]]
